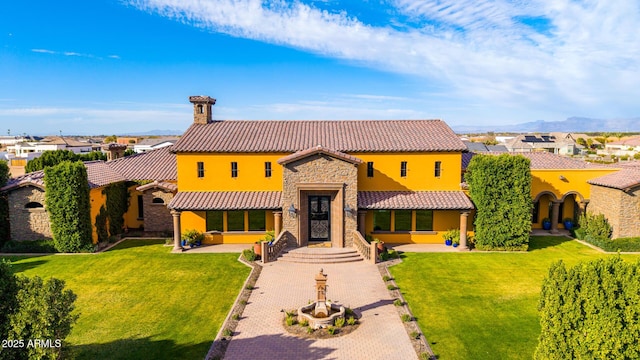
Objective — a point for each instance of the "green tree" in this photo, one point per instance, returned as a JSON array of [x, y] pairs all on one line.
[[129, 152], [591, 311], [67, 199], [111, 139], [581, 141], [92, 156], [8, 291], [50, 158], [4, 204], [500, 187]]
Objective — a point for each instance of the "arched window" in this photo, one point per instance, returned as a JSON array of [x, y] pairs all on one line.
[[157, 201], [33, 205]]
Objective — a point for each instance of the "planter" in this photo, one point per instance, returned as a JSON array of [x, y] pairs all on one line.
[[184, 242], [546, 225], [380, 246], [257, 248], [568, 225], [455, 245], [448, 242], [199, 242]]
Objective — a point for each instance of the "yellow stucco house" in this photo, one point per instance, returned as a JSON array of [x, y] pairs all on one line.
[[318, 181]]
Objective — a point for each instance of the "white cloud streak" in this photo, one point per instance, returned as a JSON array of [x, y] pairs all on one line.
[[72, 53], [585, 59]]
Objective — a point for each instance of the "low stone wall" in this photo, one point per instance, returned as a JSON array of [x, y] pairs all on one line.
[[157, 217]]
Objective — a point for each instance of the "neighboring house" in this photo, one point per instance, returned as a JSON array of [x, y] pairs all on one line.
[[626, 147], [150, 178], [548, 143], [478, 147], [32, 149], [126, 140], [153, 144], [318, 180]]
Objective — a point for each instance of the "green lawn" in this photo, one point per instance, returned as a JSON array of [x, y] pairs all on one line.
[[483, 305], [140, 301]]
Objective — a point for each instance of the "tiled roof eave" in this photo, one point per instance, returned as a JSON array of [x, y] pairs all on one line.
[[226, 200], [414, 200]]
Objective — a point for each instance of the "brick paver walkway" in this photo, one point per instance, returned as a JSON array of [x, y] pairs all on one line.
[[286, 286]]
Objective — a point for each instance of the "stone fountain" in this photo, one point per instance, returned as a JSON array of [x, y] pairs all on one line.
[[321, 313]]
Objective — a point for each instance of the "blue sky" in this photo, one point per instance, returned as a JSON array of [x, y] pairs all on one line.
[[103, 67]]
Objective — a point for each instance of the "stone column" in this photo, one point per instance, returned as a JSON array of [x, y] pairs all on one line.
[[277, 221], [176, 231], [582, 207], [555, 211], [362, 216], [464, 216]]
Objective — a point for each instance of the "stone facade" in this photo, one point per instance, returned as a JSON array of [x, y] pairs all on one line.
[[28, 223], [622, 209], [320, 174], [157, 216]]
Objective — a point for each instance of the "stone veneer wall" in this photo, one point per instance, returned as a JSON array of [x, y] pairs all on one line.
[[622, 209], [319, 169], [157, 217], [28, 224]]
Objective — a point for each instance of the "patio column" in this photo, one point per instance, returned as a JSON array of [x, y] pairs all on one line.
[[555, 211], [176, 230], [464, 216], [582, 206], [277, 222], [362, 216]]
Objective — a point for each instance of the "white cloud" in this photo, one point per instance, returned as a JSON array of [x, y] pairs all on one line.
[[585, 57]]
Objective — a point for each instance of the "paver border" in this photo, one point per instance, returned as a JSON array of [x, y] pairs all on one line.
[[420, 343]]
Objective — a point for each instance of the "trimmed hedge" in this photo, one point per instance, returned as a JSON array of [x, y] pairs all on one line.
[[591, 311], [595, 230], [68, 204], [500, 187], [55, 157], [32, 246]]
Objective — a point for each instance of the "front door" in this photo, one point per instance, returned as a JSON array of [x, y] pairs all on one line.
[[319, 215]]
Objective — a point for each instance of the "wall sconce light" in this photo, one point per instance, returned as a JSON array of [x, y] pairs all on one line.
[[292, 211], [348, 209], [562, 178]]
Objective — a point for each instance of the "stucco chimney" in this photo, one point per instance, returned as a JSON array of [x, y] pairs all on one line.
[[202, 108]]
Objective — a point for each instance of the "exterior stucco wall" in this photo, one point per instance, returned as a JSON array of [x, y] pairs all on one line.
[[315, 175], [622, 209], [28, 224]]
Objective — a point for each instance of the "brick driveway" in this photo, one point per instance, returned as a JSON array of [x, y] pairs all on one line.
[[260, 334]]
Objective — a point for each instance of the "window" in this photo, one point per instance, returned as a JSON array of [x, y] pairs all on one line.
[[257, 220], [214, 221], [33, 205], [200, 169], [200, 109], [403, 169], [157, 201], [382, 220], [267, 169], [140, 209], [438, 168], [234, 169], [235, 220], [424, 220], [370, 169], [402, 220]]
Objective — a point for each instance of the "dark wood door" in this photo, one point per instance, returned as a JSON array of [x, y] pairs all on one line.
[[319, 218]]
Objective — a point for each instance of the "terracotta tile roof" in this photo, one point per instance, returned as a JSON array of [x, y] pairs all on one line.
[[226, 200], [542, 161], [100, 174], [343, 136], [318, 150], [632, 142], [430, 200], [35, 178], [624, 179], [157, 164], [164, 185]]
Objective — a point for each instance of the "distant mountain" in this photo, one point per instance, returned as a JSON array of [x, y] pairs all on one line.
[[155, 133], [572, 124]]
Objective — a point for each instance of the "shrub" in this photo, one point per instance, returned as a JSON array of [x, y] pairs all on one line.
[[590, 311], [249, 287], [351, 320], [386, 278], [310, 330], [415, 335], [235, 317], [451, 235], [67, 199], [304, 323], [595, 226], [406, 317], [398, 302], [33, 246], [332, 330], [249, 254], [391, 287], [227, 332], [290, 320], [500, 187], [339, 322]]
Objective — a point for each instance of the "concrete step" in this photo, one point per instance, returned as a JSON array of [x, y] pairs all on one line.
[[320, 255]]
